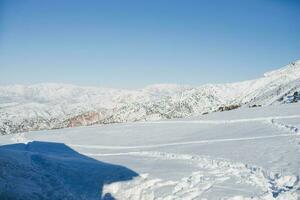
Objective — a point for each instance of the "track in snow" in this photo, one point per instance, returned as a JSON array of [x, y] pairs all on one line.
[[211, 175], [271, 120], [184, 143], [221, 121], [284, 127]]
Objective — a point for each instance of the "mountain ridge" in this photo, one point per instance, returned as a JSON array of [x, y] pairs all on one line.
[[51, 105]]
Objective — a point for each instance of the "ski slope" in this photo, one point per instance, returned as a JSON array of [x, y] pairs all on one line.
[[248, 153]]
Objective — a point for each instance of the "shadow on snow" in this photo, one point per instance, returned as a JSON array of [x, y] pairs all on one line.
[[44, 170]]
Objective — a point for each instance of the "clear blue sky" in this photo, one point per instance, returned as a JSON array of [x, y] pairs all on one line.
[[130, 44]]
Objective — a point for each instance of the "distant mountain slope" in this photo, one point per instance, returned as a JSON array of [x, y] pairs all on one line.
[[52, 106]]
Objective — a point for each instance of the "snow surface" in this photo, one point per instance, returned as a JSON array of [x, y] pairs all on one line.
[[43, 170], [52, 106], [248, 153]]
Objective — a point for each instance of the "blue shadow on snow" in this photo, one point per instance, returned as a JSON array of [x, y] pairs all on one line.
[[44, 170]]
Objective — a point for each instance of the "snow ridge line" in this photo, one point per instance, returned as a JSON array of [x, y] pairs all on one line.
[[212, 172], [183, 143], [221, 121]]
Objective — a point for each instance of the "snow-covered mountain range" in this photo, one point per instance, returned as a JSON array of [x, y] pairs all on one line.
[[52, 106]]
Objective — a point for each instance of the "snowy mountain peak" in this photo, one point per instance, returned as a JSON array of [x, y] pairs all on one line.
[[291, 70]]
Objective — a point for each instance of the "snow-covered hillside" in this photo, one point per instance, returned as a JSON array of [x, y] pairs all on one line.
[[53, 106], [242, 154]]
